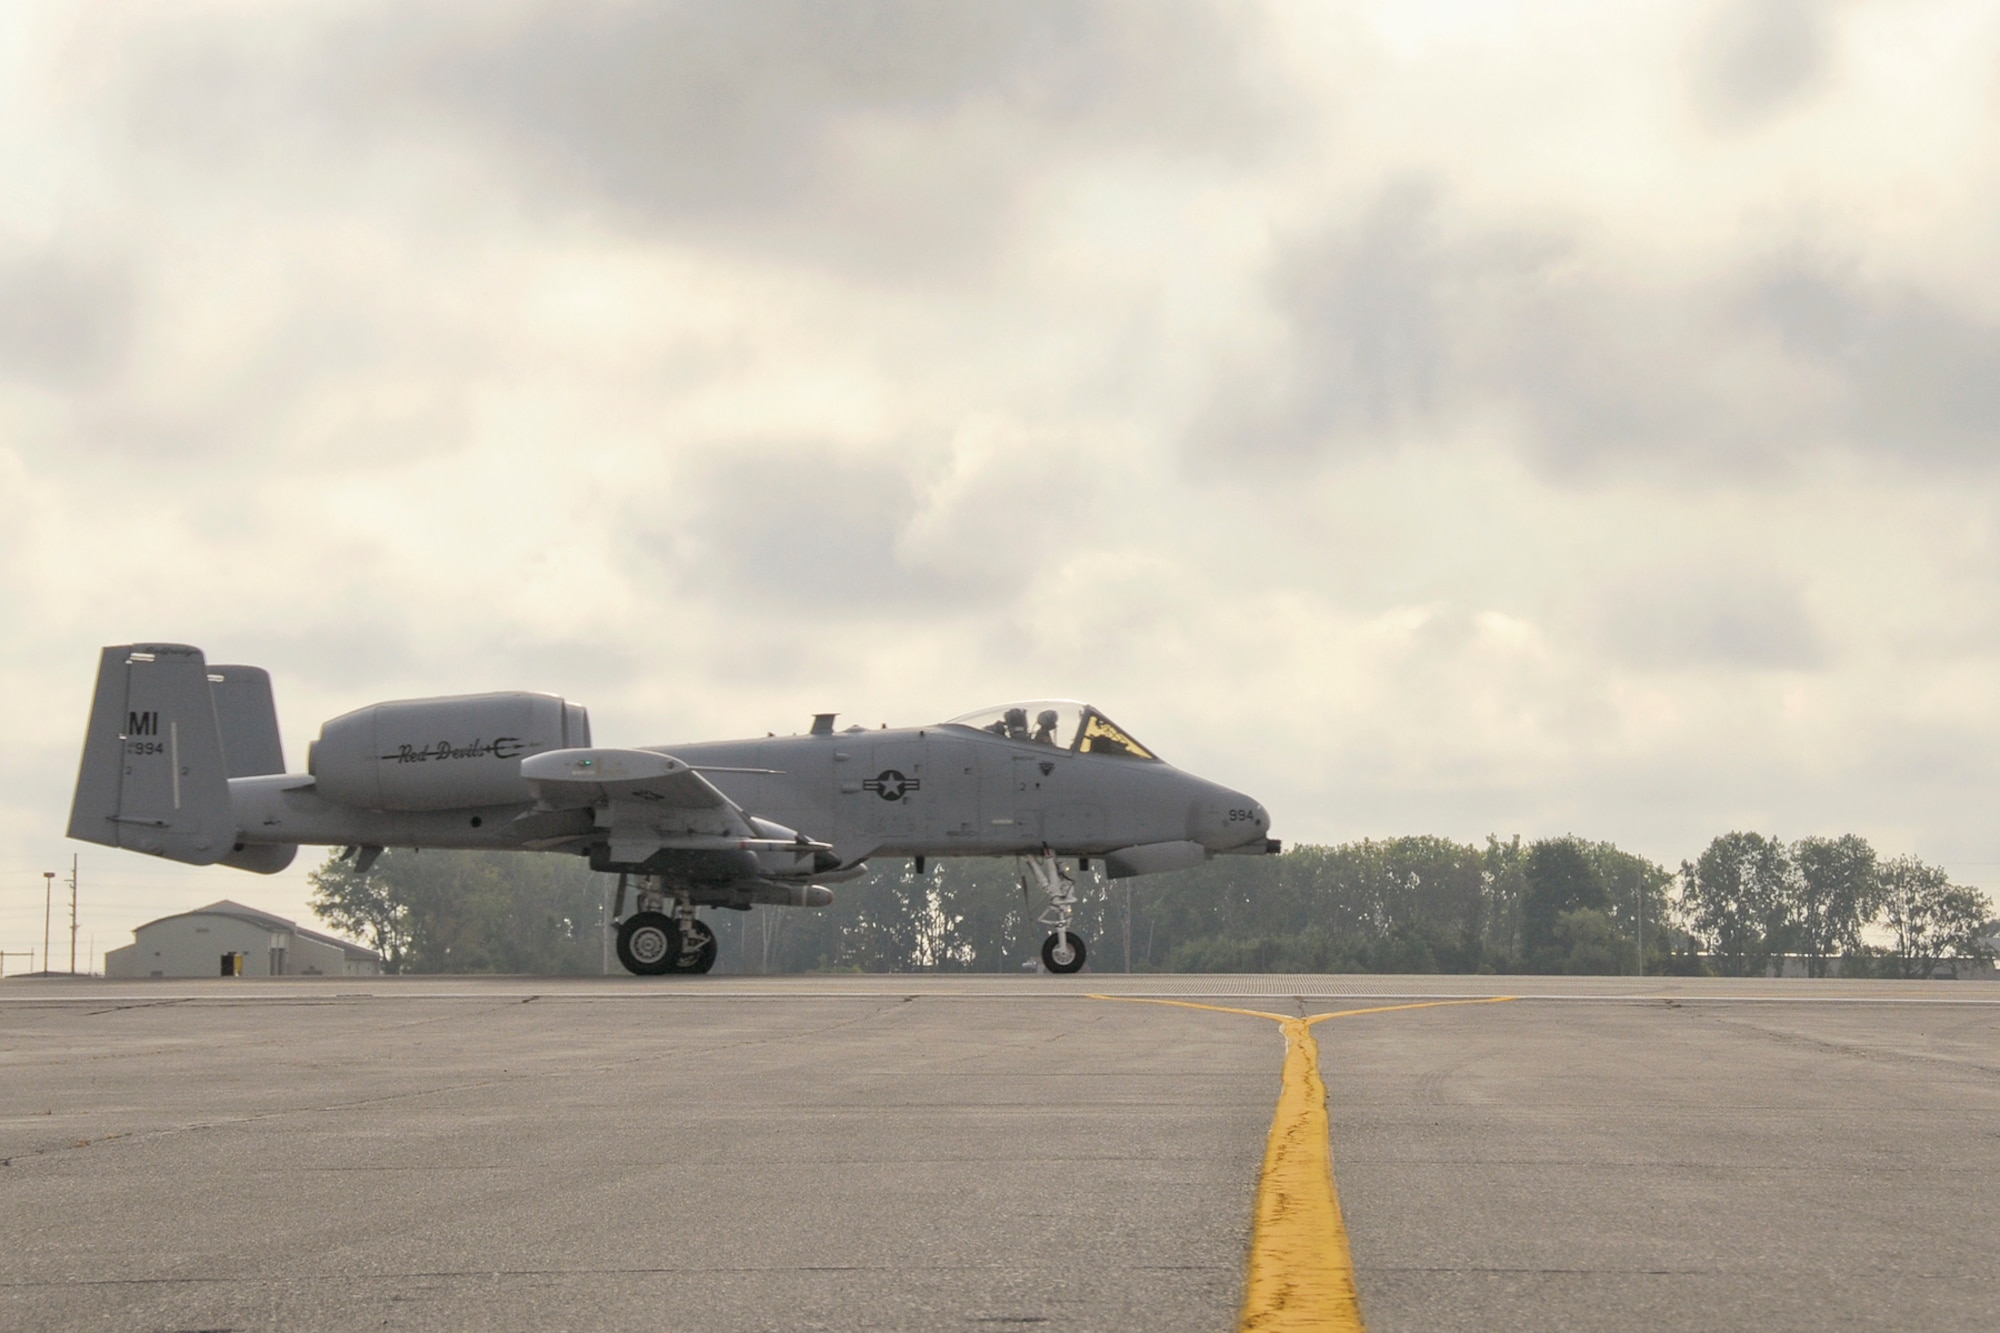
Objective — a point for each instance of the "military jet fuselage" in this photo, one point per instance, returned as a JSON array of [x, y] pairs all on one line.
[[182, 760]]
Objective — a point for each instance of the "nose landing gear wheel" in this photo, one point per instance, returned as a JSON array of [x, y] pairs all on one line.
[[649, 944], [1063, 952], [698, 951]]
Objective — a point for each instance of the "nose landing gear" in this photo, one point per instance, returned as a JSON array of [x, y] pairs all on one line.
[[1063, 951], [652, 943]]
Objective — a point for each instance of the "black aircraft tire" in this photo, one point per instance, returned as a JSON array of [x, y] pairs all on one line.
[[1077, 951], [704, 947], [649, 944]]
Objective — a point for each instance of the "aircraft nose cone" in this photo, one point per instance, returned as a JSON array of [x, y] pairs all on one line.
[[1227, 819]]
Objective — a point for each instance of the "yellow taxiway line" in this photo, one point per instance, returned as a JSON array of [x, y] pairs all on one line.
[[1301, 1273]]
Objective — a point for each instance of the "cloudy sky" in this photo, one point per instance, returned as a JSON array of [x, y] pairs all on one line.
[[1429, 417]]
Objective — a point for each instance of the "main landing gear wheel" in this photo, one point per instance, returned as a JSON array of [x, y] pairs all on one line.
[[698, 948], [1063, 952], [649, 944]]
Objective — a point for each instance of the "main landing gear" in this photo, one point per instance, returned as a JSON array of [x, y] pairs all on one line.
[[1063, 951], [654, 943]]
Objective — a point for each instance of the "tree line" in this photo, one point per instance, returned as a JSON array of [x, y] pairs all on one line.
[[1414, 904]]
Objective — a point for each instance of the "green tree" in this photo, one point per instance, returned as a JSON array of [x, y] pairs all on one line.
[[1590, 945], [1834, 893], [470, 911], [966, 914], [362, 906], [1561, 877], [1401, 904], [1737, 900], [1930, 918], [1637, 889], [995, 928], [1412, 904]]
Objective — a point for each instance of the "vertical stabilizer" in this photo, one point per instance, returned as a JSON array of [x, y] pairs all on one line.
[[153, 777]]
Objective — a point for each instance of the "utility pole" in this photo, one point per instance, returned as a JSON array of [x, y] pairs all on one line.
[[1641, 919], [1128, 925], [48, 899], [72, 913]]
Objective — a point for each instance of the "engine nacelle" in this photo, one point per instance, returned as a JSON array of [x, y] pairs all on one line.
[[441, 754]]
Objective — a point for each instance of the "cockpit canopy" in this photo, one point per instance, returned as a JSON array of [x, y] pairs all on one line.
[[1062, 723]]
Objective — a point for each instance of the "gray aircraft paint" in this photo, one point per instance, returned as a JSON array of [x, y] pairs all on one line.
[[173, 747]]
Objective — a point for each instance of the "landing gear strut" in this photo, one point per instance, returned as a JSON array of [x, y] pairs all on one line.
[[658, 940], [1063, 951]]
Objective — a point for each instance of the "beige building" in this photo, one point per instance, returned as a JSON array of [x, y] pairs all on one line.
[[229, 939]]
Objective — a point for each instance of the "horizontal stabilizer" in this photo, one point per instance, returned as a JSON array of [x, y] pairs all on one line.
[[248, 718]]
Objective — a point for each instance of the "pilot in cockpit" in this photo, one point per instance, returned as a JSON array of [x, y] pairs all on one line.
[[1013, 724], [1045, 726]]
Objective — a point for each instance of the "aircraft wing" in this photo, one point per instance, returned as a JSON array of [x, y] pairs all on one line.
[[572, 779], [652, 802]]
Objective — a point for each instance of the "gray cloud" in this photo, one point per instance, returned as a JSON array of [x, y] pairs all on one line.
[[65, 323], [1732, 617], [1909, 375], [1755, 57], [891, 132], [1400, 321], [1368, 311], [793, 528], [1601, 371], [1412, 320], [1374, 343], [880, 534], [280, 409]]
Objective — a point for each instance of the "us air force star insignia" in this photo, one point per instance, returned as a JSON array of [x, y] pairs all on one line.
[[891, 785]]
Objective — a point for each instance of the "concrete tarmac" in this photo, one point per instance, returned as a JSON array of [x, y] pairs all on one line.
[[986, 1152]]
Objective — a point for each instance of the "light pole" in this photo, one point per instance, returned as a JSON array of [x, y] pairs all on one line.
[[72, 914], [48, 901]]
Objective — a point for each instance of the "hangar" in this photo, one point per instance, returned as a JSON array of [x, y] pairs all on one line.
[[228, 939]]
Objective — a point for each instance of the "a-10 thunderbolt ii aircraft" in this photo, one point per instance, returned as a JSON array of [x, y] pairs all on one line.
[[183, 760]]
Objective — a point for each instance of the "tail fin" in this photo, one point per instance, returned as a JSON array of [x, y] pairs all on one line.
[[153, 777]]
